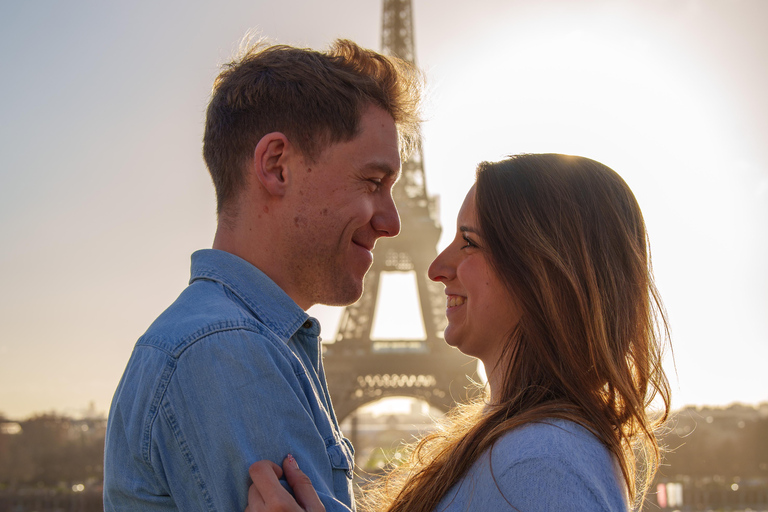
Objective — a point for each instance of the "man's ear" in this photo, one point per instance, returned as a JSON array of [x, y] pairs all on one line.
[[270, 162]]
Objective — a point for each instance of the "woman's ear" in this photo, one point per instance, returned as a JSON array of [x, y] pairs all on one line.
[[270, 162]]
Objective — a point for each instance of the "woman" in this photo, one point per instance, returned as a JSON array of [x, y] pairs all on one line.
[[548, 283]]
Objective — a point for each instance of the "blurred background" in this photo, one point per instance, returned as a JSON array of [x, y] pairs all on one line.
[[104, 193]]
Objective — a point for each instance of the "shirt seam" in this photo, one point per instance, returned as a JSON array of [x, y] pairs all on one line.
[[186, 342], [154, 407], [181, 441]]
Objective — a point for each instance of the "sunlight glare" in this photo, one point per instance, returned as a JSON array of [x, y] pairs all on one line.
[[398, 313]]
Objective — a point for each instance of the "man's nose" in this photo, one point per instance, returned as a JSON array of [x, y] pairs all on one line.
[[386, 221]]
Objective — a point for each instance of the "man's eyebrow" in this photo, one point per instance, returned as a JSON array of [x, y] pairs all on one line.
[[388, 171]]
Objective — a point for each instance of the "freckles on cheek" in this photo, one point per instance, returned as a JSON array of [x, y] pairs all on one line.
[[299, 221]]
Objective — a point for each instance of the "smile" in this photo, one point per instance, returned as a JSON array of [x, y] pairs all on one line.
[[368, 246], [452, 301], [363, 254]]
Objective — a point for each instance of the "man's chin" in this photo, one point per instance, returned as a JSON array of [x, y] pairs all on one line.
[[345, 296]]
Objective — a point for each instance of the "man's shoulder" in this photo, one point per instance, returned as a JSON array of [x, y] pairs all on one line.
[[203, 308]]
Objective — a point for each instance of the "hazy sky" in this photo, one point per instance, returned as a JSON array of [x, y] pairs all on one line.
[[104, 194]]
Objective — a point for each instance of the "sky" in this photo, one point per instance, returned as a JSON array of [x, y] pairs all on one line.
[[104, 193]]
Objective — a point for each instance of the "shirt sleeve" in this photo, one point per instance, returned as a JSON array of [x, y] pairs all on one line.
[[236, 397]]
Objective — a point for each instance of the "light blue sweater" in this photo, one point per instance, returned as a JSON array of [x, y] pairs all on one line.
[[553, 466]]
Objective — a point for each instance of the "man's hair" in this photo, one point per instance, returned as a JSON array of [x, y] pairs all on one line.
[[315, 98]]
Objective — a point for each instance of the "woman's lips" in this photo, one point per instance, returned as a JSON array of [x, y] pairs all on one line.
[[451, 301]]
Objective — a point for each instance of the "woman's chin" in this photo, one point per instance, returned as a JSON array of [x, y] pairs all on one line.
[[453, 340]]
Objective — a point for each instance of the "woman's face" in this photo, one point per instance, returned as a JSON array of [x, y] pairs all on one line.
[[481, 313]]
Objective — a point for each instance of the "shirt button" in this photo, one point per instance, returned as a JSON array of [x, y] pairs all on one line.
[[307, 324]]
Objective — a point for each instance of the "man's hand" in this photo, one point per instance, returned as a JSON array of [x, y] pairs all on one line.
[[267, 495]]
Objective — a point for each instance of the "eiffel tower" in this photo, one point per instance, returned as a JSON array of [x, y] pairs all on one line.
[[360, 370]]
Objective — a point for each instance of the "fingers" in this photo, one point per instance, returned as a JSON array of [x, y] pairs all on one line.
[[266, 494], [255, 500], [263, 468], [302, 487]]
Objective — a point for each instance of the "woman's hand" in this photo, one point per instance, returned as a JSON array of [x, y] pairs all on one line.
[[267, 495]]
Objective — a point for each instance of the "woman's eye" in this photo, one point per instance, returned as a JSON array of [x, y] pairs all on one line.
[[468, 242]]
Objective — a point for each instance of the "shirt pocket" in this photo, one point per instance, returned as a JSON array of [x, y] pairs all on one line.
[[341, 457]]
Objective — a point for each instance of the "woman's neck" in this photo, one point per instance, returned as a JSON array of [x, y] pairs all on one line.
[[495, 379]]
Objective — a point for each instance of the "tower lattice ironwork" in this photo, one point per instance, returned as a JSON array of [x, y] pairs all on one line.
[[360, 369]]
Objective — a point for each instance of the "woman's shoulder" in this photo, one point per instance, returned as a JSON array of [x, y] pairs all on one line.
[[564, 458], [548, 465], [552, 438]]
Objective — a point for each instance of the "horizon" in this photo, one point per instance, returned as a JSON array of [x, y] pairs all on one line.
[[88, 413]]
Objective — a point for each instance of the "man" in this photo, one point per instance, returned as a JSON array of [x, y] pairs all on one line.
[[303, 148]]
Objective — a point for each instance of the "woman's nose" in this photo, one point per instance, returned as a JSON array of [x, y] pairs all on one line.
[[440, 270]]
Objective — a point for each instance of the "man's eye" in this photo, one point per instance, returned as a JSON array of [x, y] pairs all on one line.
[[375, 184]]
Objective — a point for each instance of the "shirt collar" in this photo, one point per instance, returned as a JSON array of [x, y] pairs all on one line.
[[271, 305]]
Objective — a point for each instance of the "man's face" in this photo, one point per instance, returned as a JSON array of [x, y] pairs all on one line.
[[343, 205]]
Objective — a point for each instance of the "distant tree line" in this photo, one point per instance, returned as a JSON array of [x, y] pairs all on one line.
[[723, 444], [51, 450]]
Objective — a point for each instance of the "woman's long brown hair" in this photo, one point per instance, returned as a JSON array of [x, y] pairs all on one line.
[[566, 236]]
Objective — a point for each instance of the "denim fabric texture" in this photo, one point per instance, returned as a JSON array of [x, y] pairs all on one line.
[[231, 373], [550, 466]]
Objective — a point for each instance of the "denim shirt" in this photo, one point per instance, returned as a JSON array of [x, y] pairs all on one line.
[[229, 374]]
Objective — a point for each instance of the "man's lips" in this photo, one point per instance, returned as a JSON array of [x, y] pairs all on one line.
[[365, 245]]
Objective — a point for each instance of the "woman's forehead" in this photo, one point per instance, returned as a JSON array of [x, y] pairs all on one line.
[[467, 210]]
